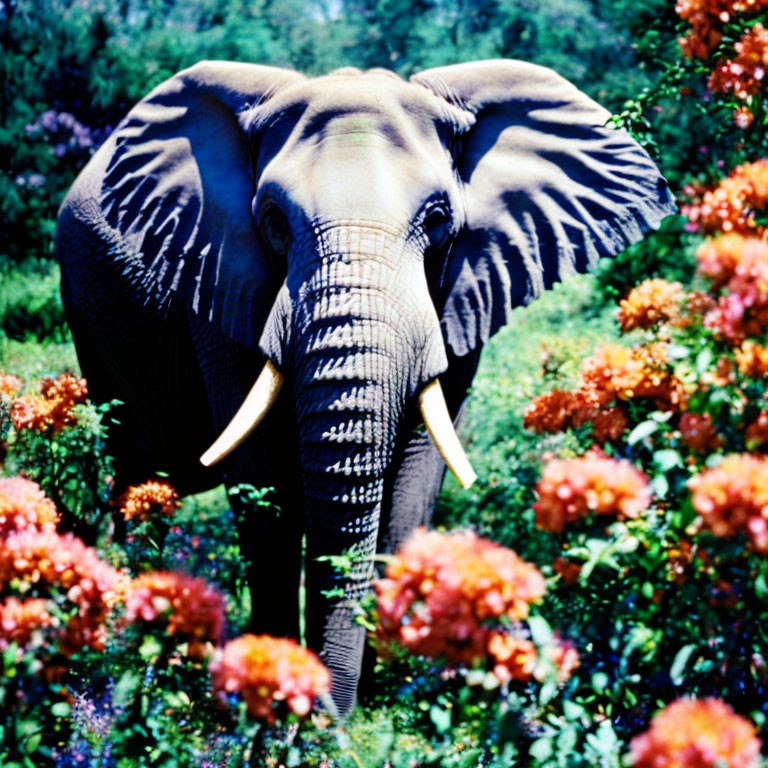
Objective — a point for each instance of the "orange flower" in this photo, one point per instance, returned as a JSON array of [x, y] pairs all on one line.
[[609, 424], [552, 411], [706, 18], [756, 435], [620, 373], [697, 733], [142, 502], [558, 410], [744, 74], [24, 505], [10, 386], [444, 593], [752, 360], [267, 671], [699, 433], [731, 206], [52, 408], [45, 561], [732, 498], [570, 489], [22, 620], [718, 258], [513, 658], [649, 304], [187, 606]]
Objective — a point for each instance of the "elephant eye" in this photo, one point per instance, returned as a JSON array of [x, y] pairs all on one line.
[[437, 227], [276, 230]]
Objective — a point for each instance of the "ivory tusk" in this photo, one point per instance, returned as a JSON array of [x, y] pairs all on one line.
[[440, 426], [255, 406]]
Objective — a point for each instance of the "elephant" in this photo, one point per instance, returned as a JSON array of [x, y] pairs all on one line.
[[349, 242]]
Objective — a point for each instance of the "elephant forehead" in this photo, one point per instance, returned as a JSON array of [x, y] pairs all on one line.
[[354, 103]]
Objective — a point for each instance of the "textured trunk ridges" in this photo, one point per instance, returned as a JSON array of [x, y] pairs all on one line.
[[361, 344]]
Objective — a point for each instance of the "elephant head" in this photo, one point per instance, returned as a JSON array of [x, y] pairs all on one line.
[[367, 235]]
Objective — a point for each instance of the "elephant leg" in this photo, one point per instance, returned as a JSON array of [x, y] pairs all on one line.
[[332, 600], [271, 542]]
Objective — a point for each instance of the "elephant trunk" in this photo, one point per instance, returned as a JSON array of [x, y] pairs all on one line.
[[361, 344]]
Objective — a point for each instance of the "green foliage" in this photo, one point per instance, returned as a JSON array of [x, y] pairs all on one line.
[[30, 301]]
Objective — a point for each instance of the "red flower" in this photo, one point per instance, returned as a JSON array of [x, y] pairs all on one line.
[[267, 671], [697, 733], [744, 75], [187, 606], [444, 593], [756, 435], [698, 432], [570, 489], [558, 410]]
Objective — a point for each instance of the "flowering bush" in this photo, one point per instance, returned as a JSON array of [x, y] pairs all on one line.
[[444, 594], [24, 505], [572, 488], [697, 733], [47, 562], [52, 409], [270, 673], [187, 606]]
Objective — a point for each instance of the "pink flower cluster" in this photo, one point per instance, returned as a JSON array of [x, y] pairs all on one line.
[[46, 561], [570, 489], [743, 310], [270, 674], [24, 505], [22, 620], [744, 75], [186, 606], [697, 733], [732, 205], [732, 498], [443, 595]]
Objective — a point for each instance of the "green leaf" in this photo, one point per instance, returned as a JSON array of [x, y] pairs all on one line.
[[150, 647], [541, 749], [704, 360], [470, 758], [680, 661], [33, 742], [641, 431], [667, 459], [61, 709], [441, 718]]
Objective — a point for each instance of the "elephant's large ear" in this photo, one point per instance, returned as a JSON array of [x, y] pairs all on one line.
[[176, 195], [549, 190]]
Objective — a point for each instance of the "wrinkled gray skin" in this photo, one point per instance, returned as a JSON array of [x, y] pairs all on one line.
[[364, 233]]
